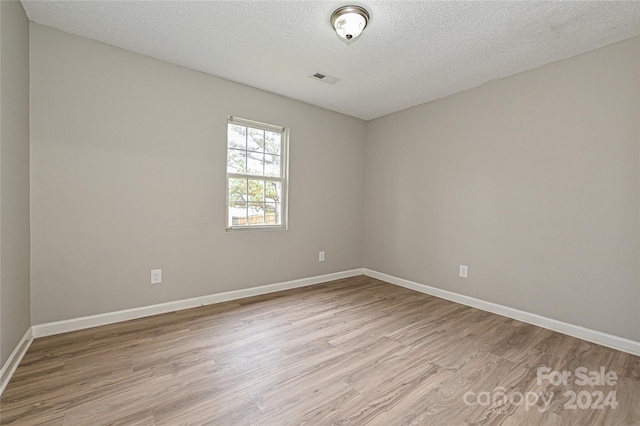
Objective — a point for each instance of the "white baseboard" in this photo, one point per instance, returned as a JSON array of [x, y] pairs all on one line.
[[16, 356], [52, 328], [604, 339]]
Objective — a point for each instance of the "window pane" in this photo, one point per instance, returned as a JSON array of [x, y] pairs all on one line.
[[273, 191], [272, 143], [255, 141], [272, 214], [237, 190], [238, 214], [255, 163], [236, 161], [256, 214], [236, 136], [256, 190], [272, 165]]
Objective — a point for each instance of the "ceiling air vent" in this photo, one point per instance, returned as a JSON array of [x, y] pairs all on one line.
[[324, 78]]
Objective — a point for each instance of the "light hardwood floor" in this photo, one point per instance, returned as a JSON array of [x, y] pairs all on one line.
[[355, 351]]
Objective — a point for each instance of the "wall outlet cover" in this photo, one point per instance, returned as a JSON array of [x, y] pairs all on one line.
[[464, 271]]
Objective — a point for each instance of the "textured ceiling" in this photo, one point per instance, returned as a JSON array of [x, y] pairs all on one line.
[[411, 52]]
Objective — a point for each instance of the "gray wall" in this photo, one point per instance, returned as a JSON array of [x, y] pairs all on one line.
[[128, 175], [14, 176], [531, 181]]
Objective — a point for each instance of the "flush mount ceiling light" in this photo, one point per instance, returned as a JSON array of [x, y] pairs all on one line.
[[349, 21]]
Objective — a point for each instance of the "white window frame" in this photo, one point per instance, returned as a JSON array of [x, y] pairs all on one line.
[[283, 179]]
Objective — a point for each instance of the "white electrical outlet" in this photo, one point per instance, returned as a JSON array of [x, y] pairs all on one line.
[[464, 271], [156, 276], [321, 256]]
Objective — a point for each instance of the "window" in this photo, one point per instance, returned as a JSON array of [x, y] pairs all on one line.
[[257, 168]]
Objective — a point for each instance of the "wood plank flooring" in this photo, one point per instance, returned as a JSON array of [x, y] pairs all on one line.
[[355, 351]]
